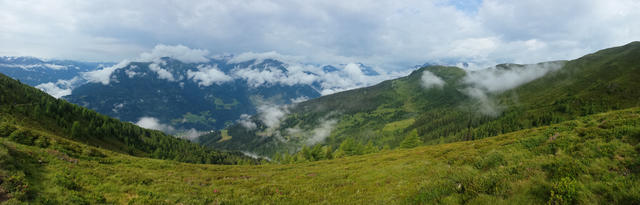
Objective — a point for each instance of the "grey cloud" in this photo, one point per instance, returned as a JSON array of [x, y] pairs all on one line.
[[391, 34], [178, 52]]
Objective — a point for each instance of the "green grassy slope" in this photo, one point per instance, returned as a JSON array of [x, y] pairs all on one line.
[[594, 159], [599, 82], [33, 112]]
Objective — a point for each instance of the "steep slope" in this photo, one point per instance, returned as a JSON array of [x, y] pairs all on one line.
[[594, 159], [26, 113], [438, 104]]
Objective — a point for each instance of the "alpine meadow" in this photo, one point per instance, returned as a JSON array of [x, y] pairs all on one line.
[[322, 102]]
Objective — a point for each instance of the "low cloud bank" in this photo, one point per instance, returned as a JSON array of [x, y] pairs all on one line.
[[60, 88], [495, 80]]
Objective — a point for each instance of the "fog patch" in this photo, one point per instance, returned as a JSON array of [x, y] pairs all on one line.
[[320, 133], [190, 134], [254, 155], [246, 122], [154, 124], [494, 80], [272, 114], [429, 80]]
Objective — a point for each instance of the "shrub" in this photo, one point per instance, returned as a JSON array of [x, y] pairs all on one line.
[[564, 191], [6, 129], [42, 141], [66, 182], [492, 159], [17, 185], [21, 136], [564, 167]]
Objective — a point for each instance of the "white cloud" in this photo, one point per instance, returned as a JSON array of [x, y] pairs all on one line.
[[60, 88], [429, 80], [55, 67], [32, 66], [299, 99], [260, 57], [162, 73], [246, 122], [497, 79], [271, 114], [154, 124], [494, 80], [208, 75], [178, 52], [190, 134], [53, 89], [103, 75], [321, 132]]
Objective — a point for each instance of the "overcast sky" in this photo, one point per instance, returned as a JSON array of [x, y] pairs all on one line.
[[383, 33]]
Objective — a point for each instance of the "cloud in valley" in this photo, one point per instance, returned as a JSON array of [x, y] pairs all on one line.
[[154, 124], [60, 88], [246, 122]]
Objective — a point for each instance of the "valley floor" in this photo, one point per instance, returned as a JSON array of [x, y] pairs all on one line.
[[594, 159]]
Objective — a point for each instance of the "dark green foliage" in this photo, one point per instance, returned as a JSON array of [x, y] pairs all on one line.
[[21, 136], [410, 141], [33, 108], [6, 129]]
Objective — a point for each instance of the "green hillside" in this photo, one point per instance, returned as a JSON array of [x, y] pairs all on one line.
[[29, 115], [403, 113], [590, 160]]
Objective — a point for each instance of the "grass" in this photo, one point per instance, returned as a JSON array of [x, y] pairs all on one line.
[[225, 136], [593, 159]]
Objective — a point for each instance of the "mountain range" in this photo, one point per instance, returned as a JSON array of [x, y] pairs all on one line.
[[439, 104], [560, 132], [191, 98]]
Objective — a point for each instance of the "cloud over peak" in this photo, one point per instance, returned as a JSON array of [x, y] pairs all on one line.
[[178, 52]]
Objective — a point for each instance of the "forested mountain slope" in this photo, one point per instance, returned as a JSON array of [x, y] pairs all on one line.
[[29, 114], [439, 104]]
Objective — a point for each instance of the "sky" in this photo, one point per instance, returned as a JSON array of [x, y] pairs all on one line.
[[389, 34]]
